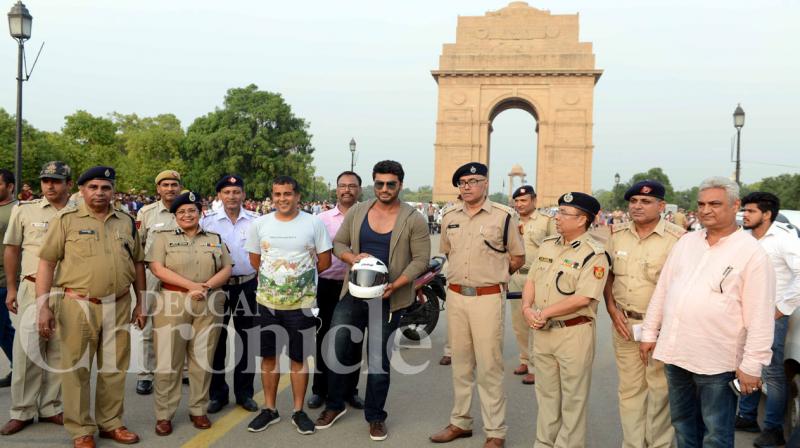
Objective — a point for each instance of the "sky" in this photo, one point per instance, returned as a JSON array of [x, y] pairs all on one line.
[[674, 72]]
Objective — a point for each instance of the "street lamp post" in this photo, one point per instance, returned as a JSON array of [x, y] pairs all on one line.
[[352, 153], [738, 123], [616, 179], [19, 26]]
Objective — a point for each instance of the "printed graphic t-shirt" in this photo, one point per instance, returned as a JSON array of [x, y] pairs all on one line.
[[287, 277]]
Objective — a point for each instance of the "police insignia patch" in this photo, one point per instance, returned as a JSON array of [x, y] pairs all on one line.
[[232, 180], [568, 197], [646, 189], [192, 197], [599, 271], [472, 169], [108, 173]]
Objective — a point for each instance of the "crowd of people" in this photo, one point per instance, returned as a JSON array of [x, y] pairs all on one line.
[[699, 318]]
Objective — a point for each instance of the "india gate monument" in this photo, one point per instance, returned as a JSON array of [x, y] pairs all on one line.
[[525, 58]]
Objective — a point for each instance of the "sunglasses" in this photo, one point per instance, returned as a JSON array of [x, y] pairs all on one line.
[[391, 185]]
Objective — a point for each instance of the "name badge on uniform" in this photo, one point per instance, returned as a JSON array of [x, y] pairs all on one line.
[[453, 226], [179, 243], [621, 253], [545, 260], [41, 225], [86, 232], [158, 224]]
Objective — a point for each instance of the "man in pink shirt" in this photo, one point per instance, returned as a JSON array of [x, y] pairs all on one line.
[[348, 190], [710, 319]]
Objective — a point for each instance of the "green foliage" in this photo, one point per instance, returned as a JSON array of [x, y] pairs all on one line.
[[500, 198], [785, 186]]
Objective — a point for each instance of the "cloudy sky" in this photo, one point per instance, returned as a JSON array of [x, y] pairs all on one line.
[[674, 72]]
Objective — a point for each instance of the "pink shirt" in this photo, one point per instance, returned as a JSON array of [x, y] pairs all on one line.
[[333, 219], [714, 306]]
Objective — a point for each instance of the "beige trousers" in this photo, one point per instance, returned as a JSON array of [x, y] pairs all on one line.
[[522, 331], [148, 353], [475, 329]]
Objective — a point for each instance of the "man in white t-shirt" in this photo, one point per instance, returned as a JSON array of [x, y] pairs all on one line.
[[288, 248]]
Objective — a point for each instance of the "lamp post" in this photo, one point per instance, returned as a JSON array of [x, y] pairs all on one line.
[[738, 123], [19, 26], [616, 179], [352, 153]]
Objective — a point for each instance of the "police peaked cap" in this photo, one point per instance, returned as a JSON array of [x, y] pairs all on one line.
[[55, 170], [189, 197], [581, 201], [525, 189], [98, 172], [646, 188], [468, 169], [230, 180], [168, 175]]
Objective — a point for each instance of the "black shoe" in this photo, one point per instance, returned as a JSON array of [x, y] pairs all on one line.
[[315, 401], [144, 387], [185, 380], [769, 438], [248, 404], [263, 420], [303, 424], [215, 406], [355, 402], [743, 424], [6, 381]]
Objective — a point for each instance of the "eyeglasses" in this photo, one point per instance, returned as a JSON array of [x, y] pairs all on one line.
[[470, 182], [391, 185], [559, 212], [188, 212], [347, 186]]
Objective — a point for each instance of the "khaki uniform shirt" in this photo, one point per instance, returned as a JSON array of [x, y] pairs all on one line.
[[153, 218], [195, 258], [538, 227], [579, 268], [680, 220], [97, 257], [470, 261], [5, 217], [28, 225], [636, 263]]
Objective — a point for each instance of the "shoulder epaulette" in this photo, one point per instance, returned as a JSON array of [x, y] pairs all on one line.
[[674, 230], [545, 214], [551, 237], [450, 209], [504, 208], [621, 226], [32, 201], [68, 209], [595, 245]]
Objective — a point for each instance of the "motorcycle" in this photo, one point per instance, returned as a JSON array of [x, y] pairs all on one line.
[[421, 317]]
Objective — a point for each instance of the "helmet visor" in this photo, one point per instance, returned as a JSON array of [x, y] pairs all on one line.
[[367, 278]]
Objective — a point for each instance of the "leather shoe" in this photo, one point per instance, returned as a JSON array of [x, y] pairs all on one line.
[[248, 404], [529, 379], [57, 419], [163, 427], [144, 387], [494, 442], [200, 421], [521, 370], [215, 406], [84, 442], [355, 402], [315, 401], [445, 361], [120, 435], [450, 433], [14, 426], [6, 380]]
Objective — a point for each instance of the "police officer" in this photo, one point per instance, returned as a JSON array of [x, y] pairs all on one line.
[[193, 265], [35, 388], [560, 303], [100, 256], [152, 218], [483, 246], [638, 251], [534, 227]]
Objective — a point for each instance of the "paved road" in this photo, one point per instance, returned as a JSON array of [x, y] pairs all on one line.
[[418, 405]]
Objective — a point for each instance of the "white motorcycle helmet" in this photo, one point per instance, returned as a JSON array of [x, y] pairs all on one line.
[[368, 278]]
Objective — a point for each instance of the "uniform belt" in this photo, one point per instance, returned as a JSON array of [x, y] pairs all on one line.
[[30, 278], [171, 287], [476, 291], [631, 314], [569, 322], [239, 279], [524, 270], [72, 294]]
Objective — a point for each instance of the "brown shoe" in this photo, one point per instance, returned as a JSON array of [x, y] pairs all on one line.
[[120, 435], [377, 431], [529, 379], [200, 421], [57, 419], [450, 433], [84, 442], [445, 361], [521, 370], [163, 427], [328, 418], [14, 426], [493, 442]]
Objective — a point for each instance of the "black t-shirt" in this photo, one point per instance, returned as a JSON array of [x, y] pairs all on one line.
[[373, 243]]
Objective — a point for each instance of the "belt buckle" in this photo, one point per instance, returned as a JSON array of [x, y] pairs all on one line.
[[469, 291], [556, 324]]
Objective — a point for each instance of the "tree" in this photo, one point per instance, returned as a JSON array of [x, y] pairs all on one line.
[[256, 135], [785, 186], [656, 174], [87, 140], [38, 148]]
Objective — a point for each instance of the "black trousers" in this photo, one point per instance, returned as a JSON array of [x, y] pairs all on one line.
[[240, 302], [327, 297]]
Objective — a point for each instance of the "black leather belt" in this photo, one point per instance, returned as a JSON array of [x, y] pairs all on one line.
[[631, 314], [240, 279]]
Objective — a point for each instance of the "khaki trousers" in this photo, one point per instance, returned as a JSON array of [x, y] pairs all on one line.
[[563, 358], [475, 328], [88, 330], [148, 353], [35, 382], [643, 399], [522, 331], [185, 329]]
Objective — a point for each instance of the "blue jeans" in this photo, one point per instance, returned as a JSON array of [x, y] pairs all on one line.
[[702, 407], [6, 329], [362, 314], [774, 376]]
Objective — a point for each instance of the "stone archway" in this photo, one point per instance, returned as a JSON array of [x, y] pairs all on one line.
[[524, 58]]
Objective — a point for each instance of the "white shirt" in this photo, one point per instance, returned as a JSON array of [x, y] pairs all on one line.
[[234, 236], [783, 247]]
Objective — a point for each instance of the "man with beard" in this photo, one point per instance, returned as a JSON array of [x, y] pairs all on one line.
[[783, 248], [36, 387], [154, 218]]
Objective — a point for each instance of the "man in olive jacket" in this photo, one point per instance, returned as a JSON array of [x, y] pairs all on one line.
[[393, 232]]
